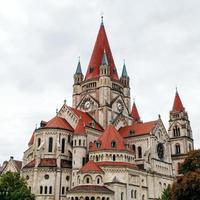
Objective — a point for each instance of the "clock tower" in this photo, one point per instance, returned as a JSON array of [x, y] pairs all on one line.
[[101, 92]]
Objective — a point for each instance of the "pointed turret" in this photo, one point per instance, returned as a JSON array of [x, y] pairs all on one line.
[[135, 114], [101, 45], [124, 71], [177, 106], [78, 76], [78, 69], [124, 77]]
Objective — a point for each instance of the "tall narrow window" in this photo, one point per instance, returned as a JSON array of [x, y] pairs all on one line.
[[139, 152], [63, 146], [122, 196], [39, 142], [45, 189], [79, 143], [177, 149], [50, 149], [50, 190], [135, 194], [41, 189], [131, 193], [63, 190], [114, 157]]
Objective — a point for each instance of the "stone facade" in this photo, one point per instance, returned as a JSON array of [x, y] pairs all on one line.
[[99, 149]]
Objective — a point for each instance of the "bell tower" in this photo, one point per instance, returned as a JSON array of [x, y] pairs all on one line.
[[180, 133]]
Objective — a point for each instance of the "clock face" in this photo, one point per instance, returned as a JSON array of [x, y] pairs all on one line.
[[87, 105], [160, 150], [120, 106]]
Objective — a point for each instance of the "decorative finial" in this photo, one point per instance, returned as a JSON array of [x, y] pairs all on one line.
[[176, 88], [159, 117], [124, 61], [65, 101], [35, 126], [56, 110], [101, 18], [79, 59]]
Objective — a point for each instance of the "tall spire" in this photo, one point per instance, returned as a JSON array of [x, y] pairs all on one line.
[[135, 113], [97, 55], [78, 69], [124, 71], [177, 106]]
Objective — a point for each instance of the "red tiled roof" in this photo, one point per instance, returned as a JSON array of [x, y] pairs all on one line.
[[110, 134], [30, 164], [177, 106], [48, 162], [91, 189], [91, 167], [58, 122], [135, 113], [138, 128], [31, 141], [86, 118], [80, 129], [18, 164], [118, 164], [101, 45]]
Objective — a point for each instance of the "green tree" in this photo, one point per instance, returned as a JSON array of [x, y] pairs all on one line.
[[187, 186], [166, 194], [14, 187]]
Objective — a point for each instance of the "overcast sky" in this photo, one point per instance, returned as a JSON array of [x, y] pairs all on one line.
[[40, 42]]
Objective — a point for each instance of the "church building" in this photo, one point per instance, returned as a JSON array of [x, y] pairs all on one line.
[[99, 148]]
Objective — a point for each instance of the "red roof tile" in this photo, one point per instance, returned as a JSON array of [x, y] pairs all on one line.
[[105, 140], [80, 129], [30, 164], [101, 45], [118, 164], [59, 122], [48, 162], [91, 167], [177, 106], [138, 128], [31, 141], [86, 118], [135, 113], [91, 189]]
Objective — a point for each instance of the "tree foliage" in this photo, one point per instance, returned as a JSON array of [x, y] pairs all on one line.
[[191, 163], [166, 194], [187, 186], [14, 187]]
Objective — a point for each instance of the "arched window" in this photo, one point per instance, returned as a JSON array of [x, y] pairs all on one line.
[[74, 142], [132, 193], [139, 152], [176, 131], [92, 198], [177, 149], [97, 158], [133, 147], [38, 142], [87, 198], [87, 180], [63, 146], [98, 180], [41, 189], [190, 147], [45, 190], [50, 190], [114, 157], [113, 144], [69, 138], [122, 196], [143, 197], [135, 194], [50, 149], [63, 190]]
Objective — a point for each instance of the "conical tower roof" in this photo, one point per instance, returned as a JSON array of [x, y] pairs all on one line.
[[78, 68], [134, 113], [124, 71], [101, 45], [177, 106]]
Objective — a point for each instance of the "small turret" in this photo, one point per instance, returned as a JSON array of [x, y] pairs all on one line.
[[104, 68], [124, 77], [78, 76], [135, 114]]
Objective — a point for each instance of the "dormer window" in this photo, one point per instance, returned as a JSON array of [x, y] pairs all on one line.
[[98, 144], [91, 69], [113, 144], [92, 123], [132, 132]]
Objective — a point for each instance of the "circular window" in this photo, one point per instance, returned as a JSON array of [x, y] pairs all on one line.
[[46, 176], [67, 178], [27, 177]]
